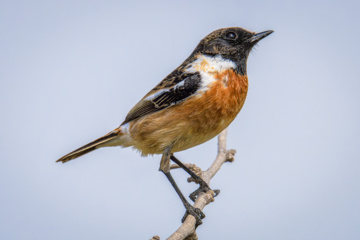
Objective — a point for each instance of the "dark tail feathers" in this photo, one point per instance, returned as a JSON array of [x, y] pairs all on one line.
[[90, 146]]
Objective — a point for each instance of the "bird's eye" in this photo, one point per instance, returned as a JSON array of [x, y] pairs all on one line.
[[231, 35]]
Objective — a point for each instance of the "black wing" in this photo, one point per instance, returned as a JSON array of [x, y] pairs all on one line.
[[182, 87]]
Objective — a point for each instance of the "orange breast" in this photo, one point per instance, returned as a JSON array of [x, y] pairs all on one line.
[[194, 121]]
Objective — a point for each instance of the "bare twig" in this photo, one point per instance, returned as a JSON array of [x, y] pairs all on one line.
[[187, 229]]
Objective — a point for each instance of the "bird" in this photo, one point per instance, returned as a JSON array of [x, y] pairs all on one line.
[[190, 106]]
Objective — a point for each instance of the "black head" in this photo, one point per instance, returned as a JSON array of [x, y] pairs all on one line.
[[231, 43]]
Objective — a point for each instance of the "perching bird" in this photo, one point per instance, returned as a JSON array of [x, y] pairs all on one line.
[[190, 106]]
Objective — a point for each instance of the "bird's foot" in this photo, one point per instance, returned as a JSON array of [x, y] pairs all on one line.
[[195, 212], [204, 187]]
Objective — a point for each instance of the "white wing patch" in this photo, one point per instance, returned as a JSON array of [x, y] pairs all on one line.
[[158, 93], [152, 96], [207, 66]]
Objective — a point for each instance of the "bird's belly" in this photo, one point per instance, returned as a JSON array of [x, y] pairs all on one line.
[[192, 122]]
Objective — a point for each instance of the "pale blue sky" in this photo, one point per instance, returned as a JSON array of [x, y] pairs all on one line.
[[71, 70]]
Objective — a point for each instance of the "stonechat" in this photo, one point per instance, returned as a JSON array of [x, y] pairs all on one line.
[[190, 106]]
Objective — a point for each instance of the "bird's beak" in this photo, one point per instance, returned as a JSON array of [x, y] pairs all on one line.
[[258, 36]]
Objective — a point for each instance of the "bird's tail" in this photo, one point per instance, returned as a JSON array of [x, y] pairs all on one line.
[[100, 142]]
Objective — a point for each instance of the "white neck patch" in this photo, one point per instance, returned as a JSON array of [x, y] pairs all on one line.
[[210, 64], [207, 66]]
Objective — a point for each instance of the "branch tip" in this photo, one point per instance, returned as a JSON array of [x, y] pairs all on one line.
[[230, 155]]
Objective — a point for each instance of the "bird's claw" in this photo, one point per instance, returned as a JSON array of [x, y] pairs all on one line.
[[195, 212], [204, 187]]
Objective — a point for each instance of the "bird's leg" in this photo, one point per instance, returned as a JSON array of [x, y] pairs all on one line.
[[204, 187], [165, 168]]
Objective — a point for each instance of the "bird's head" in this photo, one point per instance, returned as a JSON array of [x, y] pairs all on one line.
[[231, 43]]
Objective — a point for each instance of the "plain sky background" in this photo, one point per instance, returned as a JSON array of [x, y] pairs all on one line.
[[71, 70]]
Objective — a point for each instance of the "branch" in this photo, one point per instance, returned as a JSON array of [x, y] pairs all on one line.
[[187, 229]]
